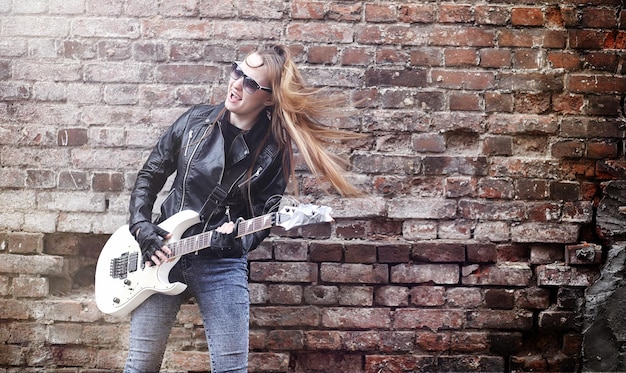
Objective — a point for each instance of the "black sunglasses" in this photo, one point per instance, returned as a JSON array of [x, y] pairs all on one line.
[[249, 84]]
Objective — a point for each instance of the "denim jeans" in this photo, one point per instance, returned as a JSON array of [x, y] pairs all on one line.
[[220, 287]]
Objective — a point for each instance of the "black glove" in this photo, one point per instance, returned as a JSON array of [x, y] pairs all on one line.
[[150, 238], [226, 245]]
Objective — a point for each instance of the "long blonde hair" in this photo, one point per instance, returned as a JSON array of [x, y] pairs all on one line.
[[298, 115]]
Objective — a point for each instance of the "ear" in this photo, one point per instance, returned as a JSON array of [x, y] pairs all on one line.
[[269, 102]]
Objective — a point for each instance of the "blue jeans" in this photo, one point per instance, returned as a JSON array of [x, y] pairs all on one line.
[[220, 287]]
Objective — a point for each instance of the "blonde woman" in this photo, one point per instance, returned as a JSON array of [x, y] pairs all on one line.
[[231, 161]]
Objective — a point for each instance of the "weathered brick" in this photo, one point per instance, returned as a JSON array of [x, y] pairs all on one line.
[[284, 316], [356, 296], [433, 319], [500, 319], [544, 232], [396, 253], [422, 273], [284, 294], [392, 296], [506, 274], [428, 296], [354, 273], [31, 287], [467, 363], [283, 272], [322, 340], [399, 363], [438, 252], [464, 297], [361, 318], [561, 275]]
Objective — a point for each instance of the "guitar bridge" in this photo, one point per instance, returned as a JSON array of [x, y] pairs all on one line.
[[123, 265]]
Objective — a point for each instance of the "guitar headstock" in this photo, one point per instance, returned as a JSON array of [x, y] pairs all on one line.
[[290, 217]]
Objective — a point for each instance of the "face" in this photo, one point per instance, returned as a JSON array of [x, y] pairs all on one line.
[[245, 107]]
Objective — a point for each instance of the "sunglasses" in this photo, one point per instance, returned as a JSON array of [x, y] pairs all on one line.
[[249, 84]]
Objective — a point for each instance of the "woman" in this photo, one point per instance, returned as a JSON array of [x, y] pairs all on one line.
[[231, 160]]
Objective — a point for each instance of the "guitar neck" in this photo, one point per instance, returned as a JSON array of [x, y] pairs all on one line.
[[203, 240]]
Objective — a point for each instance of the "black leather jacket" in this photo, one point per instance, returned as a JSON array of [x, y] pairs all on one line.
[[193, 147]]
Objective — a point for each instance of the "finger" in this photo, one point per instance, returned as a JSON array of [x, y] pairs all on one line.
[[226, 227], [167, 251]]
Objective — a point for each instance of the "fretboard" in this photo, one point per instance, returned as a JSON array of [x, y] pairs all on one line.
[[203, 240]]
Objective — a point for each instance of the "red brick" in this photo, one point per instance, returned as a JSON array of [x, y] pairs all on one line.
[[360, 253], [471, 80], [601, 150], [325, 361], [438, 252], [602, 18], [321, 295], [307, 10], [72, 137], [325, 252], [467, 36], [399, 363], [531, 189], [496, 188], [380, 13], [561, 275], [499, 298], [323, 54], [360, 318], [428, 296], [500, 319], [392, 296], [495, 58], [345, 12], [398, 253], [431, 341], [526, 17], [423, 273], [514, 274], [492, 14], [285, 340], [466, 363], [322, 340], [532, 298], [453, 13], [106, 182], [268, 361], [564, 60], [465, 102], [417, 13], [291, 251], [283, 272], [433, 319], [499, 102], [356, 296], [357, 56], [284, 316], [354, 273], [471, 342], [481, 252], [426, 142], [284, 294]]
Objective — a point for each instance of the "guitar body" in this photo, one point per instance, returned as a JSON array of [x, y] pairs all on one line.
[[122, 282]]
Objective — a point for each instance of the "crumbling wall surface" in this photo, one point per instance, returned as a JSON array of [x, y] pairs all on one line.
[[605, 326], [491, 128]]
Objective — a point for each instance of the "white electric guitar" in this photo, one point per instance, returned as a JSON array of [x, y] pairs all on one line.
[[123, 282]]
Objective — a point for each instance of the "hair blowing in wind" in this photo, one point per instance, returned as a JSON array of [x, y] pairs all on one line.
[[298, 116]]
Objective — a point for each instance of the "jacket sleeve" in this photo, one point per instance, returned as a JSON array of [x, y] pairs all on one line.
[[265, 201], [151, 178]]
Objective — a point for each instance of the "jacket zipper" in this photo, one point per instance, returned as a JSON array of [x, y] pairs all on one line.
[[182, 199], [188, 141]]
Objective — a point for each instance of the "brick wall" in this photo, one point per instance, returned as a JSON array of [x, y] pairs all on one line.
[[488, 126]]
